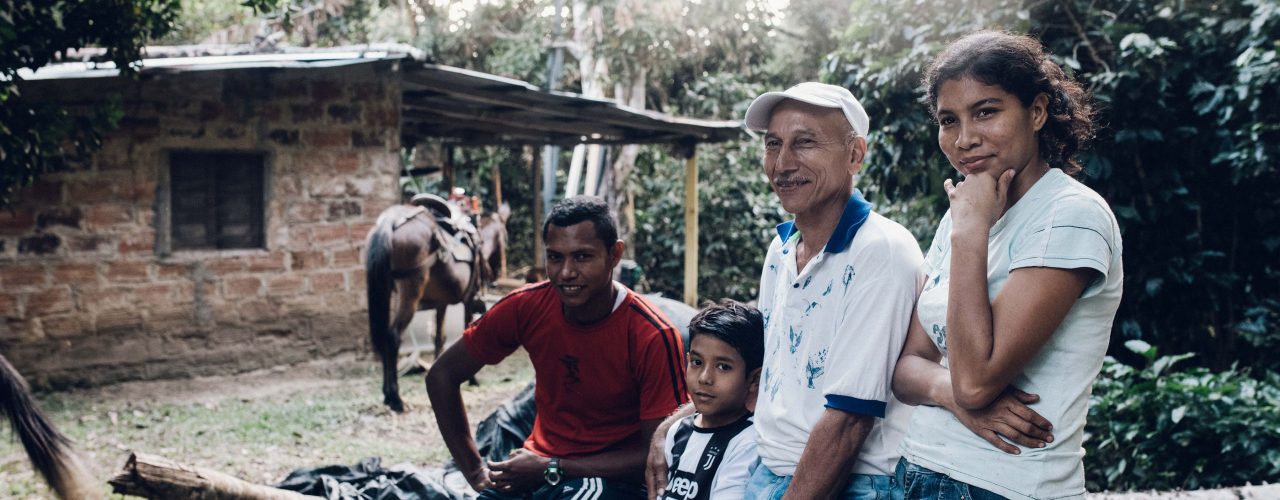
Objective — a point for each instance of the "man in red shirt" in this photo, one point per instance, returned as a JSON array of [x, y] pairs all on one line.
[[608, 368]]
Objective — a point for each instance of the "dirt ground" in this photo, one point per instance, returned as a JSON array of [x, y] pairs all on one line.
[[257, 426]]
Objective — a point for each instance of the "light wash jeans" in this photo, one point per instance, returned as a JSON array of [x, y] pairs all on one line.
[[921, 483], [765, 485]]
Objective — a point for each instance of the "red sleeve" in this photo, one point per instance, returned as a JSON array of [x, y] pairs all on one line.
[[660, 366], [496, 334]]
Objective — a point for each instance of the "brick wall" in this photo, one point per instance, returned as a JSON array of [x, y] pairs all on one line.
[[89, 293]]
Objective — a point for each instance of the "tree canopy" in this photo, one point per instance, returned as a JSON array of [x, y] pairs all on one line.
[[1187, 153], [36, 138]]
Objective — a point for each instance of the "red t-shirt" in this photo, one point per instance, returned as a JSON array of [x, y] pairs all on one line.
[[594, 384]]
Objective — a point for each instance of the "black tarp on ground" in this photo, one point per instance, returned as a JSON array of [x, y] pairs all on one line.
[[368, 480], [506, 428]]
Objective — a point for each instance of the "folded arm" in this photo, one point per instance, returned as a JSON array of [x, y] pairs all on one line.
[[991, 342], [920, 379]]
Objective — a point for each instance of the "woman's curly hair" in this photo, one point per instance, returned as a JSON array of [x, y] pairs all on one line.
[[1017, 64]]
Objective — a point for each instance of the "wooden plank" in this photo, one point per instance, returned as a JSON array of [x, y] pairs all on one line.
[[691, 230]]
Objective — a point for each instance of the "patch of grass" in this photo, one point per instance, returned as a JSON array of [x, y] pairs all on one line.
[[257, 427]]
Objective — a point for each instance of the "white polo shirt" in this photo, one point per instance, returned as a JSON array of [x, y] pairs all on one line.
[[833, 332]]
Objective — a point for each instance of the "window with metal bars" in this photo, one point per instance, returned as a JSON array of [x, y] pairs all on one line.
[[216, 200]]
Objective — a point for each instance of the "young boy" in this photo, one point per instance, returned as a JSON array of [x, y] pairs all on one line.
[[710, 452]]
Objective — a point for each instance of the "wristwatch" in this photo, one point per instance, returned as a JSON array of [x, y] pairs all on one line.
[[553, 474]]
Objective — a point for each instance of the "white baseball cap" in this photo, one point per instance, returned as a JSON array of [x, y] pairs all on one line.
[[817, 94]]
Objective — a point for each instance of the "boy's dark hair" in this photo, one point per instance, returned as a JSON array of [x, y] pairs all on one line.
[[735, 323], [575, 209]]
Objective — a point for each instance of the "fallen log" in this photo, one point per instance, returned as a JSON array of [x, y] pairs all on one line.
[[151, 476]]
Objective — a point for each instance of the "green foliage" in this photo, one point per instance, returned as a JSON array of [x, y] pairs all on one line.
[[517, 192], [1167, 427], [39, 138], [884, 53], [506, 38], [1189, 163], [1187, 156], [737, 215], [681, 43], [716, 61], [199, 19]]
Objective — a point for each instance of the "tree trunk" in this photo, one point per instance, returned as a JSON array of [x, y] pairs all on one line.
[[629, 91], [151, 476], [588, 32]]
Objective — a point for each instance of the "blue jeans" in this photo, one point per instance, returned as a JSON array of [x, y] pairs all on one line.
[[765, 485], [920, 483]]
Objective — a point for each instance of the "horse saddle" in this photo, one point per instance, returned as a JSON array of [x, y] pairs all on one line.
[[456, 231], [447, 214]]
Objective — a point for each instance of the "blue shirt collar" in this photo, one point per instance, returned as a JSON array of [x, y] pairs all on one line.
[[856, 211]]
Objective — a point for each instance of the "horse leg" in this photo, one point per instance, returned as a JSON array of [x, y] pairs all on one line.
[[469, 312], [439, 336], [389, 349]]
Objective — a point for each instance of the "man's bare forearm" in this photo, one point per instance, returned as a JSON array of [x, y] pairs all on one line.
[[444, 388], [620, 464], [834, 443], [451, 417]]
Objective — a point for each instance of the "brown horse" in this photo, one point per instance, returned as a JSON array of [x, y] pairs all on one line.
[[409, 251], [50, 452], [493, 240]]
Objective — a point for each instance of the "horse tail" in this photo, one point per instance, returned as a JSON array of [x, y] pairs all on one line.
[[50, 451], [377, 268]]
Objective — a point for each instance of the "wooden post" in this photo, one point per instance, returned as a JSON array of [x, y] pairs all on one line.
[[630, 253], [448, 171], [497, 186], [691, 228], [539, 254], [497, 207]]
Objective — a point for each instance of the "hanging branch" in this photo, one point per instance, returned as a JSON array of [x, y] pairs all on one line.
[[1084, 38]]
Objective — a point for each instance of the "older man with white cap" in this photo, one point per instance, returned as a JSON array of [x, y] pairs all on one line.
[[837, 289]]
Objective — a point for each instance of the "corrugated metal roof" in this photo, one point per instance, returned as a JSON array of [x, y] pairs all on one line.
[[306, 59], [452, 104], [469, 107]]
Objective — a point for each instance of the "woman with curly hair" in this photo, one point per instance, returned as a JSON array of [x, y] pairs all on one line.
[[1022, 283]]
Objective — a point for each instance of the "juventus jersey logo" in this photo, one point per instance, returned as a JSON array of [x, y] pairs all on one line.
[[710, 457]]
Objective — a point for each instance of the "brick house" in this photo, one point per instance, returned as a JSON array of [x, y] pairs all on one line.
[[219, 228]]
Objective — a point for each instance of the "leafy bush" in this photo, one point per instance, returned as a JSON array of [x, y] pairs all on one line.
[[1161, 427]]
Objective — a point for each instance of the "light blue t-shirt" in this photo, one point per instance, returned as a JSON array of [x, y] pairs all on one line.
[[1059, 223]]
